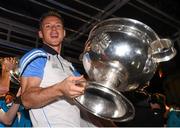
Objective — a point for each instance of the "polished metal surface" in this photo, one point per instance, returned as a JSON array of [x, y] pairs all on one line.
[[162, 50], [124, 52], [15, 74], [120, 55], [110, 104]]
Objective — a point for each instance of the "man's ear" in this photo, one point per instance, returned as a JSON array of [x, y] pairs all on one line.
[[64, 33], [40, 34]]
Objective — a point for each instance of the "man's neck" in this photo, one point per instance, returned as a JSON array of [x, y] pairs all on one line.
[[56, 48]]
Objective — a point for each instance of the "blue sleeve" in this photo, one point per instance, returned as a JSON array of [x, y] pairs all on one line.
[[32, 63], [35, 68]]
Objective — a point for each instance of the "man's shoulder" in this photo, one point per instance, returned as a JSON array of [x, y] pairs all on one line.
[[34, 53], [38, 55]]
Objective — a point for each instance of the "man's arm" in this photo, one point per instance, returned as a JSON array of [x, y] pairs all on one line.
[[34, 96], [8, 117]]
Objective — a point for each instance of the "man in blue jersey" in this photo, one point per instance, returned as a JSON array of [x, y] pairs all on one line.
[[47, 79]]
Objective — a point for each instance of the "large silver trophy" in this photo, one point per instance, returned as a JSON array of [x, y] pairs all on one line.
[[120, 55]]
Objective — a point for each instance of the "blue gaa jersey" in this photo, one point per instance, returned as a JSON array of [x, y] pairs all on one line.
[[51, 68]]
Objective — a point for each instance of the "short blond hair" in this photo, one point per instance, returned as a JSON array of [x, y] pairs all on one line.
[[50, 13]]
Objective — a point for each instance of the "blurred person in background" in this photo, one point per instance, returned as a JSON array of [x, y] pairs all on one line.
[[173, 116], [10, 98], [6, 65], [22, 118], [158, 106], [7, 115], [149, 110]]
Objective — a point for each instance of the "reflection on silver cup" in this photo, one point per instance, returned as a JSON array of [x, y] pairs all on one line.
[[120, 55]]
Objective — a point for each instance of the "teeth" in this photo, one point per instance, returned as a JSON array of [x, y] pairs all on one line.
[[54, 35]]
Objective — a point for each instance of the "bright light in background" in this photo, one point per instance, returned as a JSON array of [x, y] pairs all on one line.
[[121, 50]]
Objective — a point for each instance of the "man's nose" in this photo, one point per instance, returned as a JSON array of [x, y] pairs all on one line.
[[53, 27]]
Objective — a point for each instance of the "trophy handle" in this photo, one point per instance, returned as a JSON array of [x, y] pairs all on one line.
[[162, 50]]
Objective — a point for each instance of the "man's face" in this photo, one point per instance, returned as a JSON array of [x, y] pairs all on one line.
[[52, 31]]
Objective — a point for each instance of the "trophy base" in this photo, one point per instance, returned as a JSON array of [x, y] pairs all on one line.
[[106, 103]]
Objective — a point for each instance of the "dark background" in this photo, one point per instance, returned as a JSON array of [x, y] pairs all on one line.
[[19, 25]]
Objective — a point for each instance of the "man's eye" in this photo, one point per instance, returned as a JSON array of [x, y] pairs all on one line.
[[58, 26], [47, 26]]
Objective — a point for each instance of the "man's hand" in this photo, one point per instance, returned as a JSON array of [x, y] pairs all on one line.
[[9, 63], [73, 86]]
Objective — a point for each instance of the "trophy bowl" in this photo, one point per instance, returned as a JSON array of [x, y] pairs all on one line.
[[121, 54]]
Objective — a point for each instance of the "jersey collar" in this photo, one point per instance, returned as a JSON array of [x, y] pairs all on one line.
[[48, 49]]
